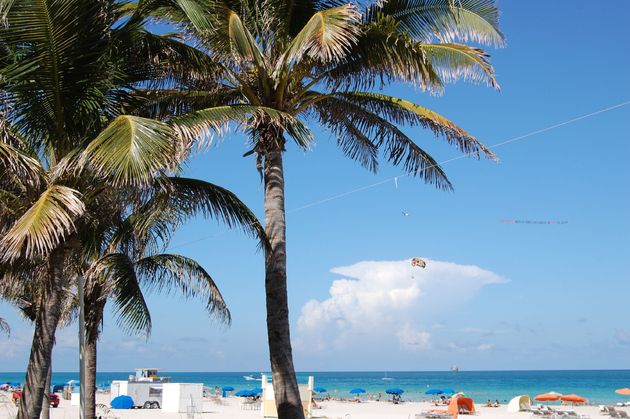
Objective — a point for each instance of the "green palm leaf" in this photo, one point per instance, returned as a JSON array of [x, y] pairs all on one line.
[[199, 124], [193, 196], [243, 43], [328, 36], [12, 159], [448, 20], [130, 307], [403, 111], [457, 61], [4, 327], [44, 225], [131, 150], [169, 273], [397, 147]]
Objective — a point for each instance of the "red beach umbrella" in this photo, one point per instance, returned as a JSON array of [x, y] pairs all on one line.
[[547, 397], [624, 391], [573, 398]]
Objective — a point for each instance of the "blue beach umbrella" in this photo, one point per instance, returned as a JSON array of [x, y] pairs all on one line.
[[122, 402], [244, 393], [357, 391], [394, 391], [227, 388], [257, 390], [319, 389], [434, 391]]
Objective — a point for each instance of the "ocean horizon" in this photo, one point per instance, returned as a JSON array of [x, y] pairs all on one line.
[[598, 386]]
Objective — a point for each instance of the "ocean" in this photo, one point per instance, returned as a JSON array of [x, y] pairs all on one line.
[[597, 386]]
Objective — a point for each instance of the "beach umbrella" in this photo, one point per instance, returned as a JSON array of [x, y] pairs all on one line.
[[573, 398], [434, 391], [458, 395], [624, 391], [394, 391], [547, 397], [448, 391], [244, 393], [319, 389], [227, 388], [122, 402], [257, 390], [357, 391]]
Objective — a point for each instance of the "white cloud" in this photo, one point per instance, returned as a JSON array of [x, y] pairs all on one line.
[[481, 347], [623, 337], [375, 299], [414, 340]]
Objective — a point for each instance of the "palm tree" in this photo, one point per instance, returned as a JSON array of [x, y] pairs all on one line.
[[320, 61], [127, 261], [24, 293], [68, 71]]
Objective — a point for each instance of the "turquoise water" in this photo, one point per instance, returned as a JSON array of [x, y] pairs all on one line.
[[598, 386]]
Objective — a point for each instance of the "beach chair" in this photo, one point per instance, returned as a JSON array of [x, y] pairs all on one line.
[[619, 414], [104, 412], [606, 410]]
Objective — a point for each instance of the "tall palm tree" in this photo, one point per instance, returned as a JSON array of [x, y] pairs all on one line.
[[67, 73], [128, 263], [23, 292], [320, 61]]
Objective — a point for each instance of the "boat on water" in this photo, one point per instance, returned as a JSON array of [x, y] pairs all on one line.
[[454, 369], [387, 378], [251, 378]]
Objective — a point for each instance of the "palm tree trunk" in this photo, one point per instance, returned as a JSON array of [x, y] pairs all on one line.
[[285, 386], [94, 309], [46, 404], [90, 379], [44, 337]]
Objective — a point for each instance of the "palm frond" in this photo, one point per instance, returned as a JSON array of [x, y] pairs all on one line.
[[131, 150], [396, 147], [195, 196], [446, 20], [130, 307], [383, 54], [403, 111], [328, 36], [12, 159], [44, 225], [202, 123], [457, 61], [175, 273], [66, 41], [242, 41], [4, 327]]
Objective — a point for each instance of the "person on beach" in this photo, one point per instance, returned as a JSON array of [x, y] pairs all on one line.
[[489, 404]]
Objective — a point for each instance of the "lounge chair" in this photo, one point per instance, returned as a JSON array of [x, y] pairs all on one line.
[[619, 414], [606, 410], [569, 414], [104, 412]]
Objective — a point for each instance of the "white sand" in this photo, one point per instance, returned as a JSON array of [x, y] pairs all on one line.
[[231, 409]]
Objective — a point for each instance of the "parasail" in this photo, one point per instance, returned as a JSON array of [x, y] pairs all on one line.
[[418, 262]]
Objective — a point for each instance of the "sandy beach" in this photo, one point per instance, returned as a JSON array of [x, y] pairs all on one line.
[[230, 408]]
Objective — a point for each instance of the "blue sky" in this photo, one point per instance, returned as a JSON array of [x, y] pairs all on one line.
[[494, 295]]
